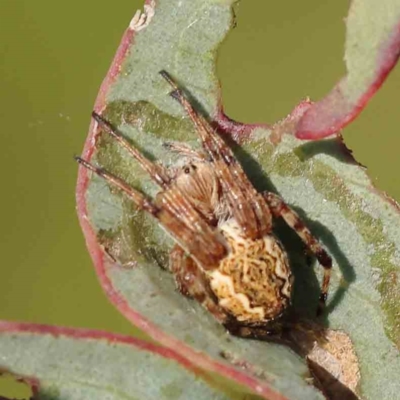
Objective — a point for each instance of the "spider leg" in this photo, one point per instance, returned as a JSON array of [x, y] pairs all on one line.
[[184, 150], [246, 204], [280, 209], [177, 216], [252, 332], [190, 229], [138, 198], [191, 282], [156, 172]]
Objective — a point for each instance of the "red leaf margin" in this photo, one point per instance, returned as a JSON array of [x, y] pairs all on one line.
[[92, 334], [103, 264], [334, 112]]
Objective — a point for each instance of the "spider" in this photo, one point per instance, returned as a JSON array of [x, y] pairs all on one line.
[[226, 256]]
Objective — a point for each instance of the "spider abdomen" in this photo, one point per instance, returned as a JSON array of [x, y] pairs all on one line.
[[253, 282]]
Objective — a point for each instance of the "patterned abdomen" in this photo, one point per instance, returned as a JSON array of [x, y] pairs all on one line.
[[253, 282]]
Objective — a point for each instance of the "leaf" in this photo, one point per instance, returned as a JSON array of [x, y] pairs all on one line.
[[358, 225], [372, 50], [64, 363]]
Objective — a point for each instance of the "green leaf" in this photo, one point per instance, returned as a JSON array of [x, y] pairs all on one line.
[[372, 50], [61, 363], [358, 225]]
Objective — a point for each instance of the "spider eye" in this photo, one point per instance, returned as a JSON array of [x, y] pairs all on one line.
[[186, 170]]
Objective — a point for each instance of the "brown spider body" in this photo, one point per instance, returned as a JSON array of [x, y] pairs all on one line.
[[226, 256], [253, 281]]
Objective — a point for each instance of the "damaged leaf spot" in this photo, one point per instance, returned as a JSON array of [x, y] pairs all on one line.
[[142, 19]]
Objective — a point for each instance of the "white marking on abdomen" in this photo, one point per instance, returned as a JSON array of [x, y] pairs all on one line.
[[219, 280]]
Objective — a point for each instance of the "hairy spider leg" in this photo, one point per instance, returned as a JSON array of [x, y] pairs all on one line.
[[281, 209], [171, 208], [185, 150], [198, 239], [246, 204], [171, 198], [268, 332], [192, 282], [138, 198], [157, 172]]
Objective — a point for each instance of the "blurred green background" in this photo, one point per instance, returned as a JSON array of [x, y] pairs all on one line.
[[54, 56]]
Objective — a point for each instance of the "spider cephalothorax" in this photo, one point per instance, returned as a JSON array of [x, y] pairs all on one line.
[[226, 256]]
